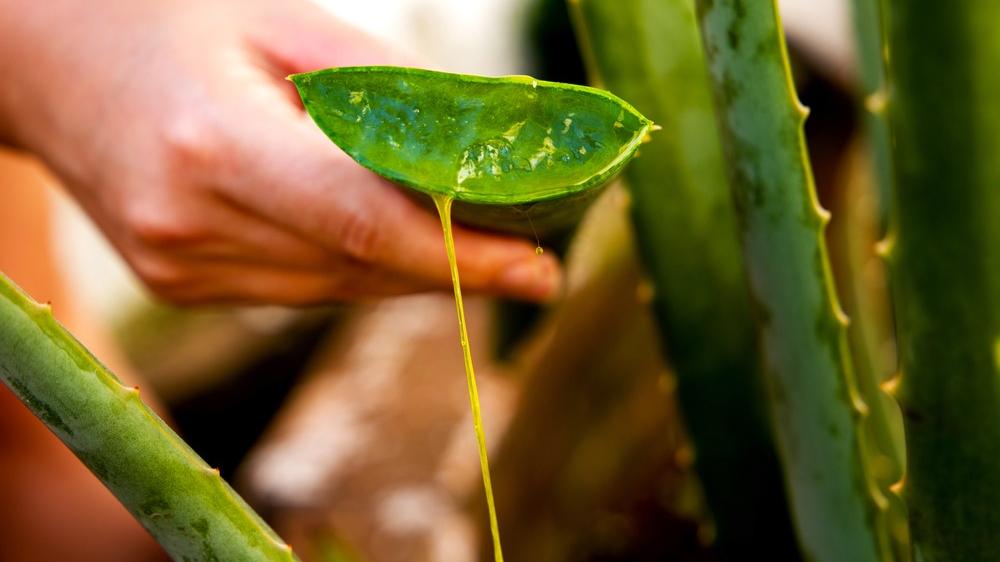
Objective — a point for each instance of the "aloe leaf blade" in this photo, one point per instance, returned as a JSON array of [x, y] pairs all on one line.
[[179, 499], [838, 509], [944, 263], [649, 51]]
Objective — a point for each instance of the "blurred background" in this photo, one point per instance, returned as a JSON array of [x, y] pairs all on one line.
[[348, 426]]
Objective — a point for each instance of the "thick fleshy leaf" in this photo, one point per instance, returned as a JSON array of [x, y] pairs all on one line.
[[821, 420], [685, 225], [165, 485], [506, 141]]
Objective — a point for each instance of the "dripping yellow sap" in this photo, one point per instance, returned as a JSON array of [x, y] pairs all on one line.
[[443, 204]]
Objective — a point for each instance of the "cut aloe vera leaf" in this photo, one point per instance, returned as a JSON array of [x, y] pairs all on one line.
[[516, 154]]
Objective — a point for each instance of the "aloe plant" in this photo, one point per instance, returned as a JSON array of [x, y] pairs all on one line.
[[838, 510], [944, 259], [866, 16], [865, 207], [179, 499], [649, 51]]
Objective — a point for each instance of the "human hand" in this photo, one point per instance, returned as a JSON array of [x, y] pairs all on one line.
[[172, 125]]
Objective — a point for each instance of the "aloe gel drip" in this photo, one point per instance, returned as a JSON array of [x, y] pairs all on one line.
[[443, 204]]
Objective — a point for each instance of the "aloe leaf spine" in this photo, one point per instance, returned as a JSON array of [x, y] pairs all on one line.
[[944, 262], [837, 507], [649, 52], [178, 498]]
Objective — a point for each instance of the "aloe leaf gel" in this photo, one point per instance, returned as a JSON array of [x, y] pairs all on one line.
[[443, 204]]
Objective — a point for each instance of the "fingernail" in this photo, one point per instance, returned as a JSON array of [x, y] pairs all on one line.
[[536, 278]]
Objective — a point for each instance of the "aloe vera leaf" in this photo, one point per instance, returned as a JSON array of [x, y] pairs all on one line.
[[867, 332], [862, 284], [944, 262], [837, 507], [515, 153], [182, 502], [866, 16], [865, 206], [649, 51]]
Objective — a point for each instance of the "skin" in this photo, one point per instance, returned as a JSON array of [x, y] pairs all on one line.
[[171, 123]]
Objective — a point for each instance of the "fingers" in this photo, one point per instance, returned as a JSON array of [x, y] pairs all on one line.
[[523, 274], [298, 179], [238, 235], [221, 282]]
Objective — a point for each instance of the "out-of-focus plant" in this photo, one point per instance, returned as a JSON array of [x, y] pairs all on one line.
[[649, 51], [866, 16], [179, 499], [943, 252], [839, 510], [862, 277]]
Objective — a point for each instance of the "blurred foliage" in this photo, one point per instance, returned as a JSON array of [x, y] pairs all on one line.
[[595, 465], [943, 251], [649, 51]]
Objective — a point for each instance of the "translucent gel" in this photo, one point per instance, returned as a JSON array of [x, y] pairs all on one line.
[[443, 204]]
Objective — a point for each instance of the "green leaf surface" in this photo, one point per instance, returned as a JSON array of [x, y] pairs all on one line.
[[500, 142], [179, 499], [682, 212], [839, 510], [944, 261]]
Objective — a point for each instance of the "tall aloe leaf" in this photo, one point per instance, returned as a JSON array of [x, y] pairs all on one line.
[[944, 111], [865, 296], [871, 87], [182, 502], [649, 52], [861, 283], [838, 510]]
